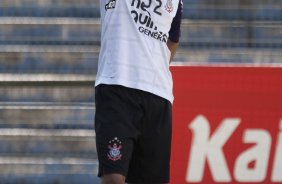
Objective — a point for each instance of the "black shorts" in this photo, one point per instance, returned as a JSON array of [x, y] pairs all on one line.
[[133, 134]]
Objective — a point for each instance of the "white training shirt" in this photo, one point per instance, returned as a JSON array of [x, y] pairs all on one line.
[[133, 45]]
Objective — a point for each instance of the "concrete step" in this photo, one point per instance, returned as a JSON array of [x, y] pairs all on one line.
[[43, 78], [27, 59], [49, 63], [47, 115], [236, 56], [49, 31], [257, 34], [50, 8], [233, 9], [48, 170], [193, 9], [53, 92], [47, 3], [41, 142], [66, 31]]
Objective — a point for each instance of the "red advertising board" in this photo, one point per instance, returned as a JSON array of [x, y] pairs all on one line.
[[227, 125]]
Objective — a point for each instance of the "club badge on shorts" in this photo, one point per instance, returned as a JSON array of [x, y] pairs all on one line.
[[114, 146], [169, 6]]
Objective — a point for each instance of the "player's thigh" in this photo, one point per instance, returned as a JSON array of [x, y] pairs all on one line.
[[150, 161], [115, 130]]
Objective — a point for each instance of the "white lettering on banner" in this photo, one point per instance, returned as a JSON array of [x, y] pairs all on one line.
[[277, 165], [259, 154], [206, 148]]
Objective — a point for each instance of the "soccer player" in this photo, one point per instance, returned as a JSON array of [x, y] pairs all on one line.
[[134, 89]]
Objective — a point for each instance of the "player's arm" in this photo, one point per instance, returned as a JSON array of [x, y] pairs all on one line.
[[172, 46], [174, 33]]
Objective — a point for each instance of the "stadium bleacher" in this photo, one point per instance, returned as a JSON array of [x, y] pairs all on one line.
[[48, 61], [48, 56]]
